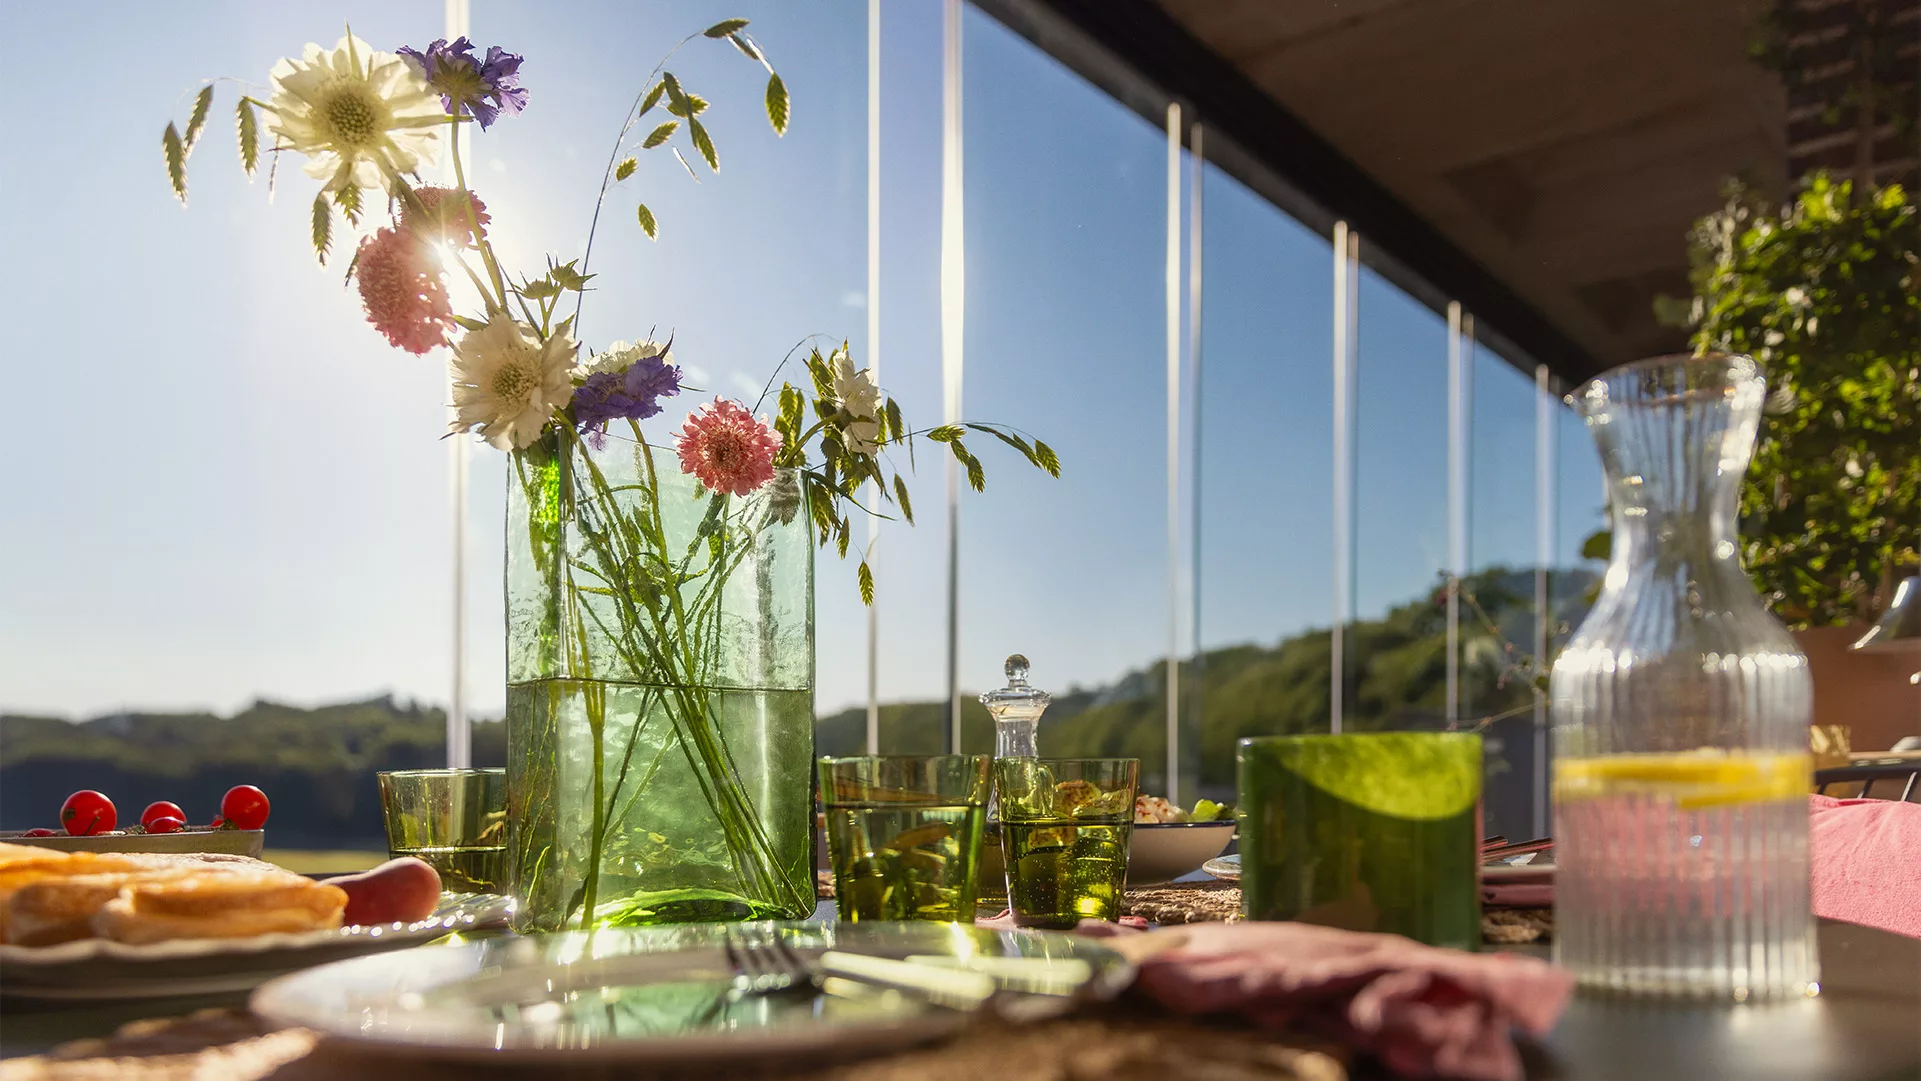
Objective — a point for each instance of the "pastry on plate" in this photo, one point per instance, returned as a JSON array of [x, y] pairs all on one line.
[[61, 908], [23, 865], [231, 904], [48, 897]]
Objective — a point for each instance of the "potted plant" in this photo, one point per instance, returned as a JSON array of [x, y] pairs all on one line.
[[1825, 293]]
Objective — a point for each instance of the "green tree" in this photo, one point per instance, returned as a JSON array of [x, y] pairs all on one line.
[[1823, 293]]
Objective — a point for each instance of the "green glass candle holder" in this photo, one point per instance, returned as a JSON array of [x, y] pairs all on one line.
[[1065, 825], [1364, 831]]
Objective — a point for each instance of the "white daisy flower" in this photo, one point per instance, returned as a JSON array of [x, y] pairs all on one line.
[[507, 382], [621, 356], [361, 117], [857, 394]]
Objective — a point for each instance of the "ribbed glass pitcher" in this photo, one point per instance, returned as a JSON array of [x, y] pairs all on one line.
[[1680, 713]]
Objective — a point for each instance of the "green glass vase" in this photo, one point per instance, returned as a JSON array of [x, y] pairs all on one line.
[[660, 671]]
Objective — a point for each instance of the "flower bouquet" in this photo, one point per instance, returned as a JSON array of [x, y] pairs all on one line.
[[659, 597]]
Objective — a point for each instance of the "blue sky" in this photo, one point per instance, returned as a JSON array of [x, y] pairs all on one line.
[[236, 489]]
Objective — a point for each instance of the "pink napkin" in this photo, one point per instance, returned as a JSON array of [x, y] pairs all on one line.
[[1866, 862], [1424, 1011]]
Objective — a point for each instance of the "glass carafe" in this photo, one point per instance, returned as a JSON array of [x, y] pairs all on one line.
[[1680, 713]]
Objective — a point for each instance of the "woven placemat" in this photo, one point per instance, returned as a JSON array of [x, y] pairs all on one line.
[[1211, 902], [1516, 926], [1187, 902], [1120, 1043]]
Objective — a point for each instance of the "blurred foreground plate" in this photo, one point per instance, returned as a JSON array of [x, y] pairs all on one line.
[[96, 969], [664, 995]]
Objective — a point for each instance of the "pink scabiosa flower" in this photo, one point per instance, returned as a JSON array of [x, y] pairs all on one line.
[[727, 448], [402, 291], [442, 215]]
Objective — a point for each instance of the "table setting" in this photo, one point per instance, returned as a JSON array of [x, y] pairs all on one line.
[[637, 892]]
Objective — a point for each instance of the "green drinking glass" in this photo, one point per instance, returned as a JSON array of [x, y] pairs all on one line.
[[1065, 825], [904, 835], [455, 819], [1375, 831]]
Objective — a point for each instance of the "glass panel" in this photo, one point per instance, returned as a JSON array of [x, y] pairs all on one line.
[[911, 575], [1500, 584], [1266, 476], [1395, 649], [1066, 294]]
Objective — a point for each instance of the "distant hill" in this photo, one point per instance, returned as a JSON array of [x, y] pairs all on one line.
[[318, 765]]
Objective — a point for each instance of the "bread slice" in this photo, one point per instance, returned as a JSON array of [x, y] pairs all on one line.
[[12, 856], [61, 909], [224, 905], [18, 872]]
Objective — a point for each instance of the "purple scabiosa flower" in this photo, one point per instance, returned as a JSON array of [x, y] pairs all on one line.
[[467, 82], [632, 392]]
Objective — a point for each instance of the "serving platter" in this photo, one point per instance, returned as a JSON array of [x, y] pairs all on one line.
[[194, 840], [101, 969], [669, 994]]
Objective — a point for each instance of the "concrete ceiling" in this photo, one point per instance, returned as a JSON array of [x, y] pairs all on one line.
[[1567, 145]]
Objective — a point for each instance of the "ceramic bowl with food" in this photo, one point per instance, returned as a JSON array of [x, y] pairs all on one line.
[[1169, 842], [1164, 851]]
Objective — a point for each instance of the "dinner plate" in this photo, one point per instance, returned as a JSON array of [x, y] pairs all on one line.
[[666, 994], [95, 968], [1224, 867]]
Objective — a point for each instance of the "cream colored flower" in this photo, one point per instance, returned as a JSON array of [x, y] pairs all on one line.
[[621, 356], [507, 383], [361, 117], [857, 394], [862, 436]]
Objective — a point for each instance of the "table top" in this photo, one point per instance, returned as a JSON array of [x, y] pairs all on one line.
[[1865, 1026]]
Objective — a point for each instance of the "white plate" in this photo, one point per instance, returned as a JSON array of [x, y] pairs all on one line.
[[95, 968], [1224, 867], [652, 995], [1164, 851]]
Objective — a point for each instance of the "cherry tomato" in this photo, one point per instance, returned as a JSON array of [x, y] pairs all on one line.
[[218, 823], [245, 806], [160, 809], [165, 824], [87, 813], [40, 831]]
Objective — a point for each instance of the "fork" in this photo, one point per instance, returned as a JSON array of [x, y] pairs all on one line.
[[767, 964]]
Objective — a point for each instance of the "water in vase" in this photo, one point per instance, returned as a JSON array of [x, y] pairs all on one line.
[[611, 776]]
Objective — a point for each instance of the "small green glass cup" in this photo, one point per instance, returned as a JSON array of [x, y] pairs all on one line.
[[904, 835], [1065, 825], [1376, 831], [454, 819]]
